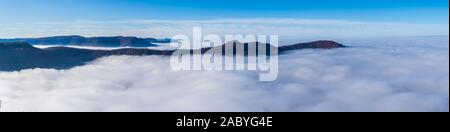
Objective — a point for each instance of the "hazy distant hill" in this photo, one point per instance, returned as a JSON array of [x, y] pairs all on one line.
[[16, 56], [118, 41], [154, 40]]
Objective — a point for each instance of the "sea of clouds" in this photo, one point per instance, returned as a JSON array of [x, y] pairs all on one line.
[[306, 28], [392, 74]]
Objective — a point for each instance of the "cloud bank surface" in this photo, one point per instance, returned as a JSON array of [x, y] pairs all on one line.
[[406, 75], [305, 28]]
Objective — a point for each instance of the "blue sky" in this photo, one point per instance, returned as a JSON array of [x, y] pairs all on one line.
[[412, 11], [16, 12]]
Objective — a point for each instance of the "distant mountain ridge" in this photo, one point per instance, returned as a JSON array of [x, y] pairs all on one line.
[[75, 40], [15, 56], [154, 40]]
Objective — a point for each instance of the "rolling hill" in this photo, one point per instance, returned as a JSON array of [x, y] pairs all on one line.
[[16, 56]]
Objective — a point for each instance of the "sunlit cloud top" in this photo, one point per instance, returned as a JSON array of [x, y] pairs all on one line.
[[306, 28]]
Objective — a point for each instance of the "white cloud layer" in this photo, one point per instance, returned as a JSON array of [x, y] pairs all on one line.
[[307, 28], [399, 76]]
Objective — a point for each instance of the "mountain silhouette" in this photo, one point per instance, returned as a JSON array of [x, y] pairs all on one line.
[[118, 41], [15, 56]]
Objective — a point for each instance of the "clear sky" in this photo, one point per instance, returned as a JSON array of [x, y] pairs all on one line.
[[392, 11]]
